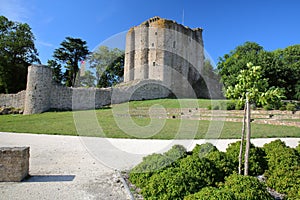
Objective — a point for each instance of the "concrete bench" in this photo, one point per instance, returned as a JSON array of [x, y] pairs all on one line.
[[14, 163]]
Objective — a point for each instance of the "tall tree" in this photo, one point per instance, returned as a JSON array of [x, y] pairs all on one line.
[[17, 52], [281, 67], [109, 66], [71, 52], [230, 65], [56, 70]]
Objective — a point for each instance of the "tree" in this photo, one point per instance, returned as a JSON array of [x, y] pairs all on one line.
[[17, 52], [285, 73], [251, 82], [280, 67], [230, 65], [56, 70], [72, 51], [109, 66], [88, 79]]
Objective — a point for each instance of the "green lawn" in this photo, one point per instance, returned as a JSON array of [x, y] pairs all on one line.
[[114, 123]]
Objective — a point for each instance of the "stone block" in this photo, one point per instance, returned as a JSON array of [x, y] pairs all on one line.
[[14, 163]]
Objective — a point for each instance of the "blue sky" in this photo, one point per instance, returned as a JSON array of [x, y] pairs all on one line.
[[271, 23]]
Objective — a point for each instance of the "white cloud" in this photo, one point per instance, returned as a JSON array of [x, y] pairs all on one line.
[[14, 10]]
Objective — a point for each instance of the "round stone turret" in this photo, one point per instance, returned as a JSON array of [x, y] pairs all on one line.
[[38, 91]]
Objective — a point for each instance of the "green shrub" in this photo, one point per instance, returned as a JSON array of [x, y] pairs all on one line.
[[282, 108], [176, 152], [224, 164], [239, 105], [279, 155], [203, 149], [268, 107], [246, 187], [209, 107], [285, 181], [230, 105], [283, 174], [155, 163], [151, 164], [298, 148], [216, 107], [257, 161], [211, 193], [189, 177], [290, 106]]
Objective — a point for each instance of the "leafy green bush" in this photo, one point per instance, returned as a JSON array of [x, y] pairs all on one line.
[[282, 108], [246, 187], [268, 107], [211, 193], [283, 174], [203, 149], [239, 105], [286, 181], [257, 161], [154, 163], [230, 105], [298, 148], [224, 164], [176, 152], [279, 155], [290, 106], [192, 174], [151, 164]]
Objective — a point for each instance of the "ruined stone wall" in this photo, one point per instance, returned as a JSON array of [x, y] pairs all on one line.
[[14, 163], [43, 94], [13, 100], [139, 90]]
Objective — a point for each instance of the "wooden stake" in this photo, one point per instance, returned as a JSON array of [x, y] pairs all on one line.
[[242, 140], [248, 136]]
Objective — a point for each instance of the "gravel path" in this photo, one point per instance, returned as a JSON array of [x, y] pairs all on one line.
[[70, 167]]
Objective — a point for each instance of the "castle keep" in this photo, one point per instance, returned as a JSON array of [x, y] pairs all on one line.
[[162, 59], [161, 49]]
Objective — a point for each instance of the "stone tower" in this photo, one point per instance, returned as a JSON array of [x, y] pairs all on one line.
[[38, 90], [164, 50]]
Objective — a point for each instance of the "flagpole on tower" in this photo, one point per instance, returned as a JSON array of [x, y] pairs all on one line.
[[183, 17]]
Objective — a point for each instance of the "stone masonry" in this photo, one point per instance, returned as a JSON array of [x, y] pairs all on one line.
[[14, 163], [162, 59], [161, 49]]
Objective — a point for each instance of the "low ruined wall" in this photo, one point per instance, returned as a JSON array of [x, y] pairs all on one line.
[[66, 98], [139, 90], [14, 163], [61, 97], [13, 100]]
